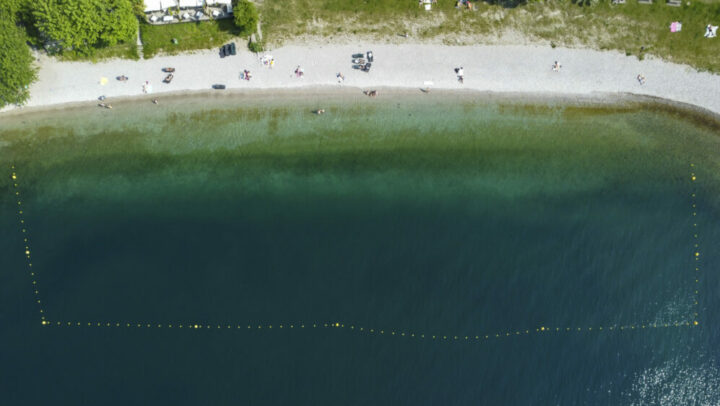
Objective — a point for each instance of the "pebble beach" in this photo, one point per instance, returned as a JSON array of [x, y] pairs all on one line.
[[502, 69]]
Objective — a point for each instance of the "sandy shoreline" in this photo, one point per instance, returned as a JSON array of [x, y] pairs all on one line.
[[494, 71], [321, 96]]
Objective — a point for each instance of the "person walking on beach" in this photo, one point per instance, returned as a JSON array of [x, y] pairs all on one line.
[[340, 77], [641, 79], [460, 74], [556, 66], [299, 72]]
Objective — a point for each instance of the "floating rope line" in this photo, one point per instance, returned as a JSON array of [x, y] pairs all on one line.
[[365, 330], [26, 240], [696, 247], [192, 326]]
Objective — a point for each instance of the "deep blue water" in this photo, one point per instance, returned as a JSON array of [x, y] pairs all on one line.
[[332, 266]]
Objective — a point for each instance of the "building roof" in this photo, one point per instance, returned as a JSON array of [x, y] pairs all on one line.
[[190, 3], [158, 5], [152, 5]]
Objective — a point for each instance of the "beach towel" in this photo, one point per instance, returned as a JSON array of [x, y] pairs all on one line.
[[675, 27], [711, 31]]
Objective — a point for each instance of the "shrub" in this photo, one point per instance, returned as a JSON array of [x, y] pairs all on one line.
[[16, 71], [256, 46], [246, 16], [82, 25]]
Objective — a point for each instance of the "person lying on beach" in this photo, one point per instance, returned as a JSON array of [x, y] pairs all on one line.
[[155, 101], [371, 93], [319, 111]]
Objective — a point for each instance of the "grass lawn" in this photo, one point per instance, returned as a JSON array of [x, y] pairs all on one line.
[[124, 51], [194, 35], [600, 25]]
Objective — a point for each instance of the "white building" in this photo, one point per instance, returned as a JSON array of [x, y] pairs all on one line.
[[159, 5], [165, 11]]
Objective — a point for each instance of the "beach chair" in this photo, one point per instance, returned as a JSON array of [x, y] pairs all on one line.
[[645, 1], [618, 1], [674, 3], [360, 55], [711, 31]]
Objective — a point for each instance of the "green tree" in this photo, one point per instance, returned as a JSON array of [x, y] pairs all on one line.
[[120, 23], [16, 71], [246, 16], [83, 25], [13, 7]]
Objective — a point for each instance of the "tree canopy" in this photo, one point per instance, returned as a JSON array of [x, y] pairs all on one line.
[[83, 25], [16, 71], [246, 16]]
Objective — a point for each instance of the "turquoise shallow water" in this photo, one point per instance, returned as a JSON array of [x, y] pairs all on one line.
[[564, 235]]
